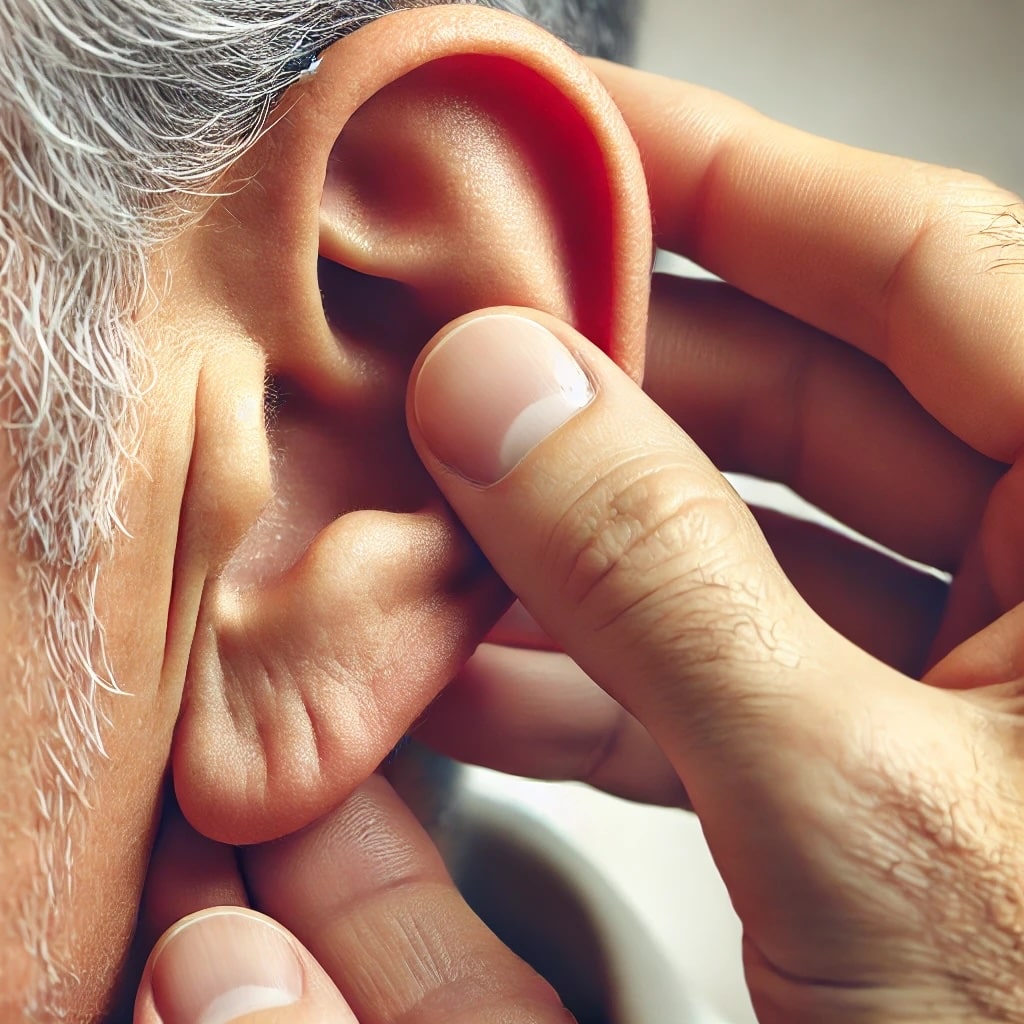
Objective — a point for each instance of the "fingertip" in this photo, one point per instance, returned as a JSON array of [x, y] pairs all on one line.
[[493, 386], [231, 964]]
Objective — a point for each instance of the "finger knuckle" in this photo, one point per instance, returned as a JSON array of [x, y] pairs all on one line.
[[961, 229], [1000, 236], [985, 216], [968, 215], [634, 523], [664, 559]]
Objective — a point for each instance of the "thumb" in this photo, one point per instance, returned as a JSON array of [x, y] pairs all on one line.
[[613, 528], [230, 964], [823, 779]]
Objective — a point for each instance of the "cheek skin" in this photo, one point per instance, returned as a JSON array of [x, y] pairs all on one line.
[[135, 598], [16, 797], [111, 837]]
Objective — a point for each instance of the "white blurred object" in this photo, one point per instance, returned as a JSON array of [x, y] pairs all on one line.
[[644, 874]]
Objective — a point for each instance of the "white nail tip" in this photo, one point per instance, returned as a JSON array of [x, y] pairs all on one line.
[[542, 417], [244, 1000]]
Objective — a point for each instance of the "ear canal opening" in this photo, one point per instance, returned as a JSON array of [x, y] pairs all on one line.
[[377, 316]]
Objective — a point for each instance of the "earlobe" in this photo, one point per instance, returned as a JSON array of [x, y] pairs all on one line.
[[443, 160]]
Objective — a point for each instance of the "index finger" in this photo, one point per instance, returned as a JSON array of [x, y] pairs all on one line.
[[919, 266], [366, 892]]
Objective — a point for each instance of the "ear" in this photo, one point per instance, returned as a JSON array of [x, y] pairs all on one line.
[[442, 160]]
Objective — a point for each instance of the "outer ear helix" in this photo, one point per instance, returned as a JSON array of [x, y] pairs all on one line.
[[474, 181], [481, 179], [442, 160], [271, 230]]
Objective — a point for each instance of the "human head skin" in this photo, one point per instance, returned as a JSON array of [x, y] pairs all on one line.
[[180, 573]]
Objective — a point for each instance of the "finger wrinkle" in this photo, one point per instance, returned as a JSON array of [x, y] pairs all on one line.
[[422, 956], [892, 294], [717, 171], [504, 1010], [376, 852], [605, 746], [369, 847], [397, 949]]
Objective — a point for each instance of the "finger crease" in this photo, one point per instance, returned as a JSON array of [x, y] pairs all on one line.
[[610, 741]]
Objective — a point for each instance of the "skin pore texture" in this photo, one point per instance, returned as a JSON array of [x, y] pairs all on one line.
[[186, 579]]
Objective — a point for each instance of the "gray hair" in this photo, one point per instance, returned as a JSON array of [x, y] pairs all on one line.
[[114, 114]]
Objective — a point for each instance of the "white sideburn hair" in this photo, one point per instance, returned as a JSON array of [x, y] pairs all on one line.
[[113, 113]]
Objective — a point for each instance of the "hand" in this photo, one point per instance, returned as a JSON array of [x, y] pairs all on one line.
[[859, 780], [364, 925]]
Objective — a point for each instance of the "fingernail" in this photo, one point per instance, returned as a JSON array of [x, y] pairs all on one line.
[[492, 390], [215, 968]]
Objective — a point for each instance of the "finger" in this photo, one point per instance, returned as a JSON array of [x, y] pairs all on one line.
[[991, 660], [765, 394], [1002, 537], [234, 965], [915, 265], [633, 553], [187, 873], [815, 770], [537, 714], [367, 893], [617, 533], [534, 712], [991, 580], [888, 609]]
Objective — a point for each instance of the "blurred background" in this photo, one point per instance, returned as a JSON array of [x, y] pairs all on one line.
[[937, 80]]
